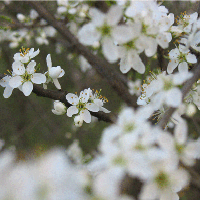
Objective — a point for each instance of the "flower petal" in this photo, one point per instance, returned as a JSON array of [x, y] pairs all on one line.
[[183, 67], [49, 63], [174, 97], [27, 88], [180, 132], [151, 47], [191, 58], [38, 78], [85, 114], [31, 67], [18, 68], [114, 15], [172, 65], [104, 110], [110, 50], [92, 107], [138, 64], [33, 54], [72, 98], [72, 110], [56, 83], [54, 72], [123, 34], [88, 34], [15, 81], [7, 92]]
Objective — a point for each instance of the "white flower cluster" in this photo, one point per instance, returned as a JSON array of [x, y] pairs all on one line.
[[24, 34], [147, 25], [132, 146], [24, 75], [82, 104], [74, 8], [163, 89], [52, 176]]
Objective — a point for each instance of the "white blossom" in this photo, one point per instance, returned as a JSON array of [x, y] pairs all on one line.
[[53, 73]]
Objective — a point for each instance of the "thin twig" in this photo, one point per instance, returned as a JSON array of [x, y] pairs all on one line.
[[61, 96]]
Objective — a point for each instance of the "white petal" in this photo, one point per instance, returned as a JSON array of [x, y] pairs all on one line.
[[169, 195], [126, 62], [191, 58], [7, 92], [166, 141], [25, 59], [38, 78], [84, 96], [72, 110], [162, 41], [114, 15], [54, 72], [88, 34], [123, 34], [174, 53], [72, 98], [49, 63], [31, 67], [174, 97], [183, 67], [181, 77], [27, 88], [180, 179], [152, 47], [32, 55], [172, 65], [18, 68], [5, 81], [56, 83], [15, 81], [62, 73], [104, 110], [92, 107], [85, 114], [110, 50], [149, 191], [17, 57], [138, 64], [98, 17], [180, 132]]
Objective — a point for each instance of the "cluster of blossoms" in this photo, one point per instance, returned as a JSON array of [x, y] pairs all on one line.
[[24, 75], [82, 104], [162, 89], [141, 31], [41, 32], [132, 146]]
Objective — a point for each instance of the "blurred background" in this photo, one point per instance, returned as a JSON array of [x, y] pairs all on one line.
[[28, 125]]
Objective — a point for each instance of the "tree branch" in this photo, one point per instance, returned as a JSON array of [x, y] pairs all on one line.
[[161, 59], [99, 64], [61, 96]]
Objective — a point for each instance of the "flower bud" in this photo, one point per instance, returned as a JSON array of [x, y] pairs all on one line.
[[191, 110], [59, 108], [78, 121], [54, 72]]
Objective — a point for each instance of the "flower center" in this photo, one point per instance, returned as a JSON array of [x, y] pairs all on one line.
[[105, 30], [179, 148], [162, 180], [119, 160], [129, 127]]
